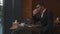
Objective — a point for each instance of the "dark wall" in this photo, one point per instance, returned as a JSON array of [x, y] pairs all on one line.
[[7, 15], [17, 9], [11, 13], [54, 5]]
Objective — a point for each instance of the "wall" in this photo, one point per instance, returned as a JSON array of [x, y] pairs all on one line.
[[27, 8], [54, 5], [11, 13]]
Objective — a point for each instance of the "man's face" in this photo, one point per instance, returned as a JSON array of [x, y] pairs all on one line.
[[39, 8]]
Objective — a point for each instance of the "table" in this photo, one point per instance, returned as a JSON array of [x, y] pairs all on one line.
[[57, 22], [14, 25], [28, 28], [57, 26]]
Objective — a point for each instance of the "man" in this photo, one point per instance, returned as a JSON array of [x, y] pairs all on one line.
[[45, 17]]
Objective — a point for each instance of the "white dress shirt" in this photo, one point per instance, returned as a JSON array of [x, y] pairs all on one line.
[[43, 13]]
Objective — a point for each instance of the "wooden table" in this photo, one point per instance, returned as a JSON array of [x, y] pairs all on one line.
[[28, 28], [14, 25]]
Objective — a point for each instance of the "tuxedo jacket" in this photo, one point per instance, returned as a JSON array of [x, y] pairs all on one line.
[[46, 21]]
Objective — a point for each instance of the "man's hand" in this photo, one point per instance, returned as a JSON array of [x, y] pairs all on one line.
[[35, 11]]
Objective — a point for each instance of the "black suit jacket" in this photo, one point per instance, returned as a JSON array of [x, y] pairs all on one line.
[[47, 20]]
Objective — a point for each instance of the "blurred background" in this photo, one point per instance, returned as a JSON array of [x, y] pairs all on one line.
[[22, 9]]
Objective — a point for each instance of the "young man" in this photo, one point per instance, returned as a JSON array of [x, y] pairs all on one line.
[[45, 17]]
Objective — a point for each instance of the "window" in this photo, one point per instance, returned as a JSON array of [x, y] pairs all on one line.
[[1, 15]]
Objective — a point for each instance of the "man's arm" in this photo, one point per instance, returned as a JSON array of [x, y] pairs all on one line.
[[50, 19], [35, 16]]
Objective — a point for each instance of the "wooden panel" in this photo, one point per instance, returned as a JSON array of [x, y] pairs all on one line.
[[27, 8]]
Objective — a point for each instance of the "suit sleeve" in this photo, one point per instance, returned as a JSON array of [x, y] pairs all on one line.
[[50, 20], [36, 18]]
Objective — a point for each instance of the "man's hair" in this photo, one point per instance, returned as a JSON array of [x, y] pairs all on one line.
[[41, 4]]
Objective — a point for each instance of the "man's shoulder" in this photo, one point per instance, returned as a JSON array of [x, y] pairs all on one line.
[[49, 11]]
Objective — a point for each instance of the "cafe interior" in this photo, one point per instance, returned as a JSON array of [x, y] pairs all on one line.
[[18, 12]]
